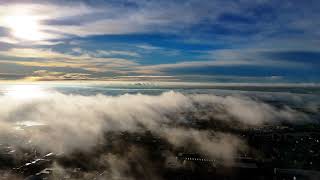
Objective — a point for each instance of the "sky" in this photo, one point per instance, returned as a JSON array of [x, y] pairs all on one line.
[[262, 41]]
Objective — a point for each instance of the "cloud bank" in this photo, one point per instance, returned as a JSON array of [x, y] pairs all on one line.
[[75, 122], [70, 124]]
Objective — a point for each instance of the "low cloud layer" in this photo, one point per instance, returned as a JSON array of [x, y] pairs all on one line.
[[67, 124], [71, 122]]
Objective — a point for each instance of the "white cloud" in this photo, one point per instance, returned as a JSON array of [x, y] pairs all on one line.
[[8, 40], [116, 19], [75, 122], [35, 15], [44, 75], [148, 47], [51, 58], [116, 52], [160, 68], [84, 19]]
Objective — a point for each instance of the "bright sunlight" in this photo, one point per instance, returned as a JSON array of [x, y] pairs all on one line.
[[25, 91], [24, 26]]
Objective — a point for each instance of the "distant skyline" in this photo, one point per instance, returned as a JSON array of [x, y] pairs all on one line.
[[210, 41]]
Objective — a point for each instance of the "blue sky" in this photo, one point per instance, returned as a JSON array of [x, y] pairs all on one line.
[[183, 40]]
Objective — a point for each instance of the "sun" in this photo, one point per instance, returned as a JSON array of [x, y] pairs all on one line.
[[25, 91], [24, 26]]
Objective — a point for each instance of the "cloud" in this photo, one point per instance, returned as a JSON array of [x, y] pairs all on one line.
[[229, 78], [147, 78], [242, 25], [34, 53], [41, 12], [114, 52], [11, 76], [98, 61], [49, 58], [75, 122], [147, 17], [8, 40], [154, 16], [161, 68], [148, 47], [89, 124], [44, 75]]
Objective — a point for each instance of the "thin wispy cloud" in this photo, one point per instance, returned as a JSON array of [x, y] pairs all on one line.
[[50, 58]]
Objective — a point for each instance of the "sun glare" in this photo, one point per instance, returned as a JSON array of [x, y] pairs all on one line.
[[25, 91], [24, 26]]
